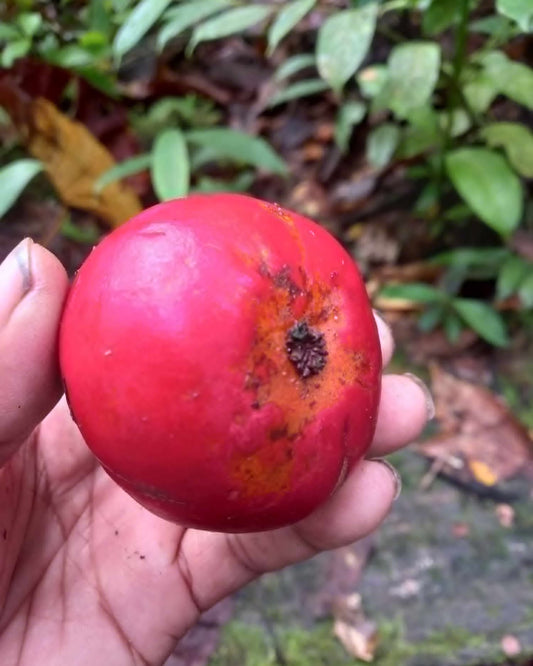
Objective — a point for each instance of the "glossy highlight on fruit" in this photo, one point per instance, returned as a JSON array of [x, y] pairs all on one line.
[[221, 360]]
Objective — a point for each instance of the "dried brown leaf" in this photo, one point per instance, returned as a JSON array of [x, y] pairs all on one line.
[[478, 429], [74, 159], [358, 635]]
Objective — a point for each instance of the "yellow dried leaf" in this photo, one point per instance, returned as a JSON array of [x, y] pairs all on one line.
[[74, 159], [482, 472]]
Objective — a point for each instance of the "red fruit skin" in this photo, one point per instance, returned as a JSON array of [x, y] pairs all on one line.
[[173, 353]]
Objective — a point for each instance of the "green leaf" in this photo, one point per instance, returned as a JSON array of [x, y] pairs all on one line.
[[512, 274], [228, 23], [287, 18], [420, 292], [520, 11], [371, 80], [517, 142], [485, 181], [381, 144], [452, 326], [483, 319], [413, 71], [297, 90], [29, 23], [525, 291], [421, 134], [13, 179], [13, 51], [88, 234], [294, 65], [512, 79], [128, 167], [138, 23], [241, 183], [170, 165], [440, 16], [350, 114], [241, 148], [178, 19], [480, 91], [8, 32], [343, 42], [430, 318], [472, 256]]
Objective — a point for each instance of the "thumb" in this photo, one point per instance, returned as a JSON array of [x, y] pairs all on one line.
[[33, 286]]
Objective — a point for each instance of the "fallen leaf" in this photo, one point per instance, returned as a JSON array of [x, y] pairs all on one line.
[[477, 429], [358, 635], [74, 160]]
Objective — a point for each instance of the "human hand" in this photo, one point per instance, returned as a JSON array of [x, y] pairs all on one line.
[[88, 576]]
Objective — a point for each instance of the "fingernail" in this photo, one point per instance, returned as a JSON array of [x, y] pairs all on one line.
[[396, 476], [15, 278], [430, 405]]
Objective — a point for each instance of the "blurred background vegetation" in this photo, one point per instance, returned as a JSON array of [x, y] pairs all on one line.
[[402, 126]]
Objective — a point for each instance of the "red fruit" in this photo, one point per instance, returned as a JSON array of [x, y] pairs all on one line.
[[222, 362]]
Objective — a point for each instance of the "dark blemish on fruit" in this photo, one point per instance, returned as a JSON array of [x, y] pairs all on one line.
[[116, 532], [255, 405], [4, 534], [306, 349], [282, 279], [278, 433], [142, 557]]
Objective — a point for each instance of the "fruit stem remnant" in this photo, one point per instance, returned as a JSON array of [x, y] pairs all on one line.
[[306, 349]]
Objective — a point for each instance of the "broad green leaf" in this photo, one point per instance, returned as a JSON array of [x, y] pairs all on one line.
[[452, 326], [350, 114], [128, 167], [414, 291], [343, 42], [440, 15], [413, 71], [170, 165], [241, 183], [480, 91], [297, 90], [287, 18], [180, 18], [13, 179], [228, 23], [483, 319], [512, 274], [13, 51], [421, 134], [520, 11], [381, 144], [8, 32], [89, 234], [371, 80], [141, 19], [512, 79], [431, 317], [241, 148], [294, 65], [485, 181], [500, 28], [517, 142], [29, 23], [472, 256], [525, 291]]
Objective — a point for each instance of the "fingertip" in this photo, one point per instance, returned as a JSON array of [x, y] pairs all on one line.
[[356, 509]]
